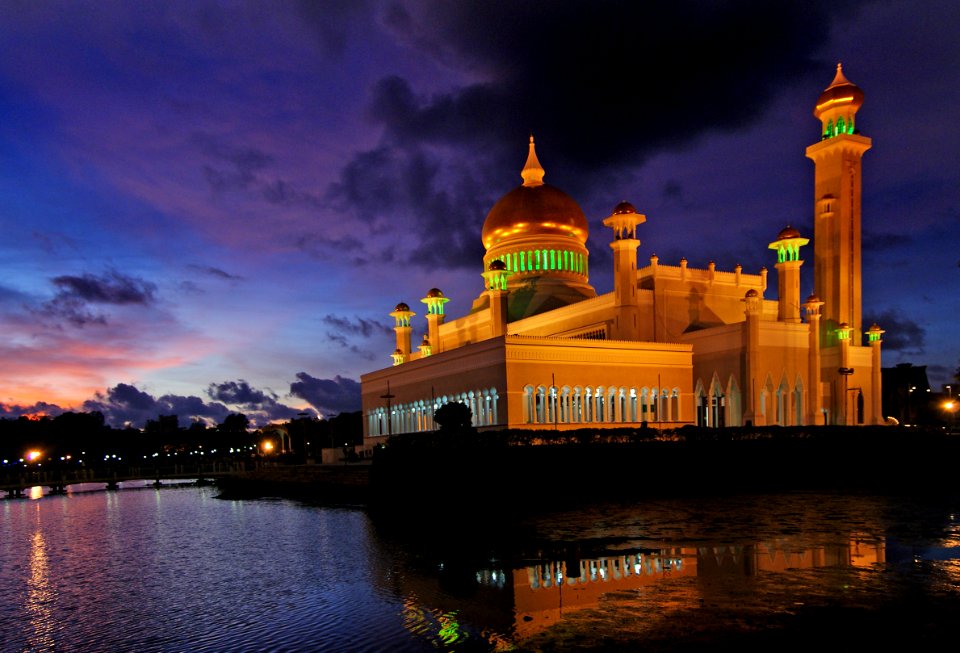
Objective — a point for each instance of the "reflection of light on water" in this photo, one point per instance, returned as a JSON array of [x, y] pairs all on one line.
[[443, 628], [36, 492], [40, 596]]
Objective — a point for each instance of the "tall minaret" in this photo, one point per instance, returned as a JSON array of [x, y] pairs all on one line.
[[624, 221], [836, 235]]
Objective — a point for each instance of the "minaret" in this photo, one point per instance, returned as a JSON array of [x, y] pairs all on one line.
[[624, 221], [836, 233], [434, 301], [876, 376], [496, 282], [401, 315], [788, 244]]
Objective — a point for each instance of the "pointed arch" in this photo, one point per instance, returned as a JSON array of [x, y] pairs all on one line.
[[734, 402], [700, 397]]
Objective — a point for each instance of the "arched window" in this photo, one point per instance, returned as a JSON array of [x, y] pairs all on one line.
[[529, 406], [599, 413]]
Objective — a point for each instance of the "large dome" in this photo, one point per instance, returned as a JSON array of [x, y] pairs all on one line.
[[534, 210]]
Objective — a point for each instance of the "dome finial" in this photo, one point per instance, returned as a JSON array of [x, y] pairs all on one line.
[[532, 172], [839, 79]]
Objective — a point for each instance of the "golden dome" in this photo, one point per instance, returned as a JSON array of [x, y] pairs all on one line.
[[534, 209], [401, 307], [841, 93], [434, 292], [752, 293], [497, 265], [788, 232], [624, 208]]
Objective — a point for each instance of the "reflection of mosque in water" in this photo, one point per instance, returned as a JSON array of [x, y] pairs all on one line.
[[503, 605]]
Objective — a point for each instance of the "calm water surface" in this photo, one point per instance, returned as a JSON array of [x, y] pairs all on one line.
[[179, 570]]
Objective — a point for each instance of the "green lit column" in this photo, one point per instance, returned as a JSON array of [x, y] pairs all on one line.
[[876, 378], [434, 301], [495, 280], [401, 315], [843, 403]]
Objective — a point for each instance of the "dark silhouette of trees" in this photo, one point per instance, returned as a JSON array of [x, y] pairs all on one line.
[[454, 417]]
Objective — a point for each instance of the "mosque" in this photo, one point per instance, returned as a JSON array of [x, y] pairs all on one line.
[[671, 345]]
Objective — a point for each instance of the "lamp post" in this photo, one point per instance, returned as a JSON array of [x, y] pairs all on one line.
[[951, 406], [845, 372]]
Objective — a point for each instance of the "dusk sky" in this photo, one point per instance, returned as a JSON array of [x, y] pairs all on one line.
[[211, 207]]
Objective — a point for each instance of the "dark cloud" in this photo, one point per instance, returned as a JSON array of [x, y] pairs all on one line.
[[76, 294], [216, 272], [902, 334], [357, 326], [443, 203], [234, 168], [14, 411], [127, 404], [341, 341], [328, 396], [111, 288], [251, 400], [238, 392], [604, 84], [239, 168]]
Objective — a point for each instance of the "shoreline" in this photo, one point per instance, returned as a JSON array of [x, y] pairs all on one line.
[[474, 472]]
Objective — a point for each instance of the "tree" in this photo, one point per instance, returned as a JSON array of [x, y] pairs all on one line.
[[235, 423], [453, 417]]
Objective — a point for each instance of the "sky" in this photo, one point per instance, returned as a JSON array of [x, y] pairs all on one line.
[[212, 207]]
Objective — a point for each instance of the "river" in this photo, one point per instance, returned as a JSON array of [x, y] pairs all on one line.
[[177, 569]]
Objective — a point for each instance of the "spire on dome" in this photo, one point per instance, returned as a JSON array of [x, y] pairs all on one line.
[[839, 79], [532, 172]]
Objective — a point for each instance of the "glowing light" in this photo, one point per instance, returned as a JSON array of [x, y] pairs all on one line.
[[33, 455], [267, 446], [836, 100]]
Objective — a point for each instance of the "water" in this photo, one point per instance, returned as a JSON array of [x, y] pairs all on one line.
[[179, 570]]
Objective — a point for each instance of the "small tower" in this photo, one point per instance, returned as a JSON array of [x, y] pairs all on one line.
[[842, 403], [876, 378], [787, 245], [425, 348], [623, 221], [401, 315], [434, 301], [837, 199], [495, 280]]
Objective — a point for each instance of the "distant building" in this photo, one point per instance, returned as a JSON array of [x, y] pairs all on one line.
[[670, 344], [907, 396]]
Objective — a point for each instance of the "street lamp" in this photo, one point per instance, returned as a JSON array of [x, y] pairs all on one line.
[[951, 406]]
